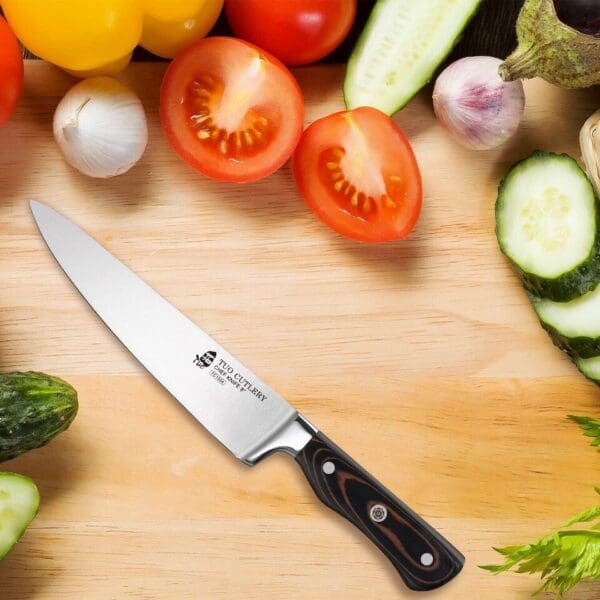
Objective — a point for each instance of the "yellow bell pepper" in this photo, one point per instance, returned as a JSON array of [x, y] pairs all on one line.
[[97, 37]]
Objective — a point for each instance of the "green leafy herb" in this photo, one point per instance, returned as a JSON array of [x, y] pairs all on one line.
[[563, 558], [591, 427], [566, 556]]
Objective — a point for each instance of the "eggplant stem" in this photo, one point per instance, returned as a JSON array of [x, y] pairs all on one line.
[[521, 64]]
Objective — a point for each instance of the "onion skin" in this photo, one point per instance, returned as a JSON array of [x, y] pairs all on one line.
[[479, 109], [552, 50], [100, 127]]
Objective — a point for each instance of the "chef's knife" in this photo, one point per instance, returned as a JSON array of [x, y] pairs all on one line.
[[243, 413]]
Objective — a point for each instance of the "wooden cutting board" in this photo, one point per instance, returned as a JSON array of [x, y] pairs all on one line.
[[421, 358]]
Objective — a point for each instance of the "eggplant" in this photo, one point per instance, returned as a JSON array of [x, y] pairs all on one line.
[[492, 32], [583, 15]]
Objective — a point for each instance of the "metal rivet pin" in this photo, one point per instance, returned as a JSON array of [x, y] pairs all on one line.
[[328, 468], [378, 513], [426, 559]]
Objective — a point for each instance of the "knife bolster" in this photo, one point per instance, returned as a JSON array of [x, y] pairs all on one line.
[[291, 439]]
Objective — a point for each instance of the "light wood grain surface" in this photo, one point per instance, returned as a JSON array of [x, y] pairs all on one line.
[[421, 358]]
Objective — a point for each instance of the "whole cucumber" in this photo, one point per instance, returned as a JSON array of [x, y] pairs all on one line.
[[34, 408]]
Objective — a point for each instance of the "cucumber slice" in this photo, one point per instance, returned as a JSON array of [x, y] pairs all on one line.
[[590, 367], [401, 46], [547, 225], [19, 503], [573, 326]]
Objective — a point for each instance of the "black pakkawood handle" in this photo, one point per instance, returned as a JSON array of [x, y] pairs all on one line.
[[422, 556]]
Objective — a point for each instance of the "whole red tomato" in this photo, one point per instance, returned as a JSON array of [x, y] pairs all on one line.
[[297, 32], [11, 71]]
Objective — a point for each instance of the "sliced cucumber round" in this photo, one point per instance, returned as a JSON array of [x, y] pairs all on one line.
[[590, 367], [547, 225], [573, 326], [400, 48], [19, 503]]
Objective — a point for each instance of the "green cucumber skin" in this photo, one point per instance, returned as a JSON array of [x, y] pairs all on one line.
[[578, 347], [576, 362], [596, 381], [571, 285], [34, 408], [361, 43], [575, 348], [33, 513], [576, 283]]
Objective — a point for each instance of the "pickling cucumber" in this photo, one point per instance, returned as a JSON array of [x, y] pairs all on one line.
[[547, 224], [34, 408], [19, 503], [590, 367], [573, 326], [401, 46]]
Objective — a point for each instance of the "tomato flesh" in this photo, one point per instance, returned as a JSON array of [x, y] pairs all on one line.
[[11, 71], [231, 110], [297, 32], [357, 171]]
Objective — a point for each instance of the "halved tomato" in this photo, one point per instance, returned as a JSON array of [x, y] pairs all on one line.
[[231, 110], [358, 173]]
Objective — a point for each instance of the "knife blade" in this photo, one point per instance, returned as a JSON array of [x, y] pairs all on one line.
[[249, 418]]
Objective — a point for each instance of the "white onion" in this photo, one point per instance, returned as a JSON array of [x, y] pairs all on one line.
[[479, 109], [100, 126]]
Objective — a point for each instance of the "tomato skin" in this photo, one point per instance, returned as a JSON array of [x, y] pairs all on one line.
[[298, 32], [248, 72], [11, 71], [375, 155]]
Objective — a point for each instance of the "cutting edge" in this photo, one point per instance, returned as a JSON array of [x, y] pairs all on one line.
[[278, 427]]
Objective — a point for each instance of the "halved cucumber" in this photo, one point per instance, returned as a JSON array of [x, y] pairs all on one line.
[[547, 225], [19, 503], [573, 326], [590, 367], [400, 48]]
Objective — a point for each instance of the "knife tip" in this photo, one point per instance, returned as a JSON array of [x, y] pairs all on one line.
[[36, 208]]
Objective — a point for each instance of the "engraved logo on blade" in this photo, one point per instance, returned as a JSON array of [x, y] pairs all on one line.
[[227, 375], [205, 360]]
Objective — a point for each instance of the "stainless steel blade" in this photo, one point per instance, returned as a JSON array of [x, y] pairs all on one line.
[[241, 411]]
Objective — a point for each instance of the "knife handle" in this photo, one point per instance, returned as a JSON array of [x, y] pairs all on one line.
[[423, 557]]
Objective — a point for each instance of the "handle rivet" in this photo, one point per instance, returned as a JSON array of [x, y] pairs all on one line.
[[426, 559], [328, 468], [378, 513]]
